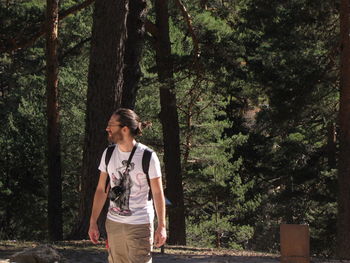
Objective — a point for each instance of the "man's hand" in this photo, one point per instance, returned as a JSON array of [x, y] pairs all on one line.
[[94, 233], [160, 236]]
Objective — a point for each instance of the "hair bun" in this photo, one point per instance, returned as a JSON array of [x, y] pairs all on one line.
[[141, 126], [146, 124]]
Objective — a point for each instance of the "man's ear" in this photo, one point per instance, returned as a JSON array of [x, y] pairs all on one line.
[[126, 130]]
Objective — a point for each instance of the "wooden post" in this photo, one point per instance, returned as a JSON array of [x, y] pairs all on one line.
[[295, 243]]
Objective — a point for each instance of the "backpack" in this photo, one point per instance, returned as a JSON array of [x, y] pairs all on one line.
[[146, 158]]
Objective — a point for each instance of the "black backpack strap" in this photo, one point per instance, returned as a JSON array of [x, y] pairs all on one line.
[[146, 159], [131, 155], [108, 156]]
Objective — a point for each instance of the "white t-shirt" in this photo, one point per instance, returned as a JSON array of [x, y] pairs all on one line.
[[133, 207]]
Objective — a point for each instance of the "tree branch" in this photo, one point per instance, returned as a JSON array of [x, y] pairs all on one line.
[[13, 44], [74, 49], [75, 9], [188, 20]]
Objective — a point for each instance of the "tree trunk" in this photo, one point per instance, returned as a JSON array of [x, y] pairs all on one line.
[[133, 51], [343, 223], [331, 145], [53, 125], [105, 82], [203, 4], [170, 125]]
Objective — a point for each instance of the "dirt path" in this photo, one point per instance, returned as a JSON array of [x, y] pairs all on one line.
[[101, 257], [84, 252], [188, 256]]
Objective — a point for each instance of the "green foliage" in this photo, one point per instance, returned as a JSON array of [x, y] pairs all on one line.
[[290, 58], [23, 169], [23, 155], [254, 112]]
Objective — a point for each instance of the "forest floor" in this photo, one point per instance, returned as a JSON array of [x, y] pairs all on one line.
[[85, 252]]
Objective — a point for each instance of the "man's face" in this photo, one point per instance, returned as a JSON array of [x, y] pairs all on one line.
[[114, 130]]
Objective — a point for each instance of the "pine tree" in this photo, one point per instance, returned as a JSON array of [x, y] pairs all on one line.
[[170, 126], [105, 83], [343, 226], [54, 148]]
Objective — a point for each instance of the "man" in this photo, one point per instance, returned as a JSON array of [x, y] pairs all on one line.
[[129, 223]]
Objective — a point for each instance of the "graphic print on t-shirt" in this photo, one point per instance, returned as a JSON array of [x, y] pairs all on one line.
[[121, 205]]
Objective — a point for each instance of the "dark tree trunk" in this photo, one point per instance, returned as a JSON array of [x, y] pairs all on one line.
[[343, 226], [105, 82], [170, 126], [203, 4], [133, 51], [331, 145], [53, 124]]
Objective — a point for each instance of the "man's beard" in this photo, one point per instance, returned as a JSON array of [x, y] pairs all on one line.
[[116, 137]]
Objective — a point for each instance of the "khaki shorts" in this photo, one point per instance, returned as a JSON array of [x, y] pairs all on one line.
[[129, 243]]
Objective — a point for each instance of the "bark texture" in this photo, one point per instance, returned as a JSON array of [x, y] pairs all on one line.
[[53, 124], [105, 83], [343, 223], [170, 126], [331, 145], [133, 51]]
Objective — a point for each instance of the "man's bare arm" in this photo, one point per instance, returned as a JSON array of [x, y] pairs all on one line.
[[99, 201], [159, 203]]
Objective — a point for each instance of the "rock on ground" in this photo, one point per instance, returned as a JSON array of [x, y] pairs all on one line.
[[40, 254]]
